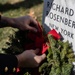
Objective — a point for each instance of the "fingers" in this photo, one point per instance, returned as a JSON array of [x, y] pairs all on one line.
[[34, 22], [36, 51], [40, 58], [32, 28]]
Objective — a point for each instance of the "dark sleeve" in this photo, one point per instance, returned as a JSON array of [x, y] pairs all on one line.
[[8, 64], [3, 23]]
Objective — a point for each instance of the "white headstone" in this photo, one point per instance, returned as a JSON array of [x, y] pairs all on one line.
[[60, 15]]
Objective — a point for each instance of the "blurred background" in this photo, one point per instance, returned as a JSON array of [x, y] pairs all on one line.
[[17, 8]]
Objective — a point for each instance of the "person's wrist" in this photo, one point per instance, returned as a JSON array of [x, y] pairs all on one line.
[[19, 61], [7, 22]]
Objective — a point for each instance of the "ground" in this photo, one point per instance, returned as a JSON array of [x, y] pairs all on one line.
[[17, 8]]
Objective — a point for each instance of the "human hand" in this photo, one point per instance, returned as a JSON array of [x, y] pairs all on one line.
[[29, 58], [26, 23], [22, 23]]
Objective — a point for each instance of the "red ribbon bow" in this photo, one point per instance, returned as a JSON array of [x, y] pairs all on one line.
[[39, 40]]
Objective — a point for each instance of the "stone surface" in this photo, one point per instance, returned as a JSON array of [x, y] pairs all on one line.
[[60, 15]]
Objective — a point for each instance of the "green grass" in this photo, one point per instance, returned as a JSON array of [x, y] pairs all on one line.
[[21, 8], [10, 8]]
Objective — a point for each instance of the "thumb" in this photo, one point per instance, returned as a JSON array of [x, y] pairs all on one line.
[[40, 58], [43, 56], [36, 51]]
